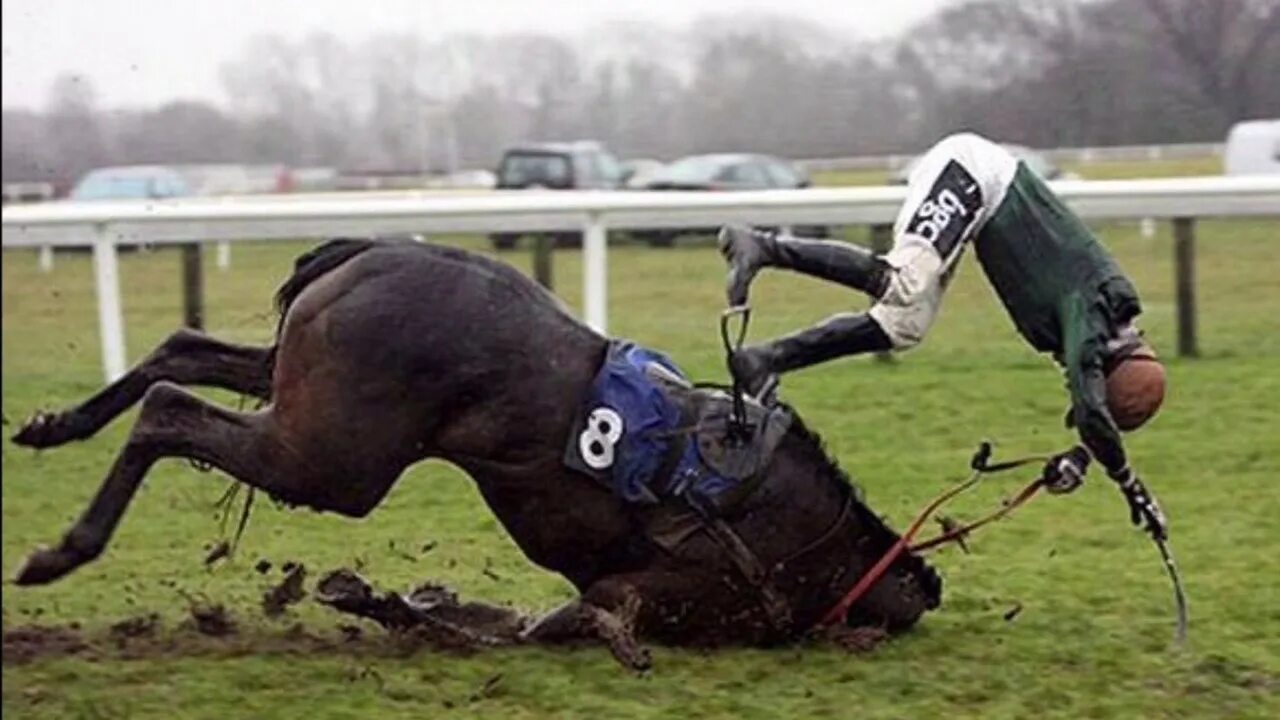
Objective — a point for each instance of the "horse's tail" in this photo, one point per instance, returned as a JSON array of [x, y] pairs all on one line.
[[310, 266]]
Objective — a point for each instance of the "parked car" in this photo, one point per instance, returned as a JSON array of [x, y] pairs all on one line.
[[638, 172], [580, 165], [725, 172], [1039, 164], [134, 182]]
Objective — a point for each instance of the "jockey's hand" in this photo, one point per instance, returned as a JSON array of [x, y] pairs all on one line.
[[1064, 472], [1144, 511]]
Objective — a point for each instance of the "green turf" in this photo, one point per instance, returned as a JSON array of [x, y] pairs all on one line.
[[833, 178], [1088, 170], [1092, 640]]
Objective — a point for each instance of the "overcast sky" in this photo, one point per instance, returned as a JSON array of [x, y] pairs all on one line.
[[143, 52]]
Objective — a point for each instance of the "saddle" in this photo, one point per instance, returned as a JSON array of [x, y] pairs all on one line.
[[733, 451], [684, 457], [651, 435]]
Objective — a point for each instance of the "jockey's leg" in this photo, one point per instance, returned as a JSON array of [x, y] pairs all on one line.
[[749, 249], [837, 336], [951, 193]]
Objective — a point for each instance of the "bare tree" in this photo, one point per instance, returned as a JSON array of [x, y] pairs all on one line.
[[72, 127], [1220, 43]]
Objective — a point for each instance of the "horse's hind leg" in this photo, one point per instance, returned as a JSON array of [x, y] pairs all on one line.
[[186, 358], [175, 423]]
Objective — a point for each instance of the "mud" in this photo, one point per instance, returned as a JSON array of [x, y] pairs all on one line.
[[30, 642], [854, 640], [135, 627], [430, 617], [210, 619], [290, 591], [219, 552], [431, 613]]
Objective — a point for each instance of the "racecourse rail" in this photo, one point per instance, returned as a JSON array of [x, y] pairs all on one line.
[[104, 225]]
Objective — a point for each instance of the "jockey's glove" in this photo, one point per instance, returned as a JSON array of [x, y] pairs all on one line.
[[1065, 471], [1144, 511]]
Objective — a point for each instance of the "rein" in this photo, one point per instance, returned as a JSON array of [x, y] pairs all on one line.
[[740, 431], [980, 464]]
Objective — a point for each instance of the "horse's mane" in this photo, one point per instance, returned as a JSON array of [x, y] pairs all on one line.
[[813, 449]]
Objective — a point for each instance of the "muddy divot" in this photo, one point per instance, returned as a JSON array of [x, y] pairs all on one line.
[[431, 613], [212, 620], [429, 618], [290, 591], [139, 626], [31, 642]]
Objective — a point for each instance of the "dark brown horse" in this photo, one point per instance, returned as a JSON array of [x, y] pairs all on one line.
[[389, 353]]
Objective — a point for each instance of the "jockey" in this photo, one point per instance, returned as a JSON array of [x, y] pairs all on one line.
[[1062, 289]]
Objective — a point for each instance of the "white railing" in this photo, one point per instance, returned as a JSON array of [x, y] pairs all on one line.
[[104, 225]]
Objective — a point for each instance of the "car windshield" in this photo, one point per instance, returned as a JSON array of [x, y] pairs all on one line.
[[535, 168], [700, 169]]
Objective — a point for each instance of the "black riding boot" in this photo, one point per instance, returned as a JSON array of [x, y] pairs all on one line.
[[748, 250], [837, 336]]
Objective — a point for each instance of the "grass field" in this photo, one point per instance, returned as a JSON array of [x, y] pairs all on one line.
[[1179, 167], [1093, 638]]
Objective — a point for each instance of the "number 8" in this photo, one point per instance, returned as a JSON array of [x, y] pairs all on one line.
[[604, 429]]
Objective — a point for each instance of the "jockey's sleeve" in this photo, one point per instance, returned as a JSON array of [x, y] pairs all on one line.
[[1084, 338], [951, 193]]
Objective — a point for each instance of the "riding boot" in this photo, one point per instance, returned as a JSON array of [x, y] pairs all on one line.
[[748, 249], [837, 336]]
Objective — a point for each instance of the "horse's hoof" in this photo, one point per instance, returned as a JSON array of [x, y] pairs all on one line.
[[45, 430], [643, 661], [630, 653], [46, 565]]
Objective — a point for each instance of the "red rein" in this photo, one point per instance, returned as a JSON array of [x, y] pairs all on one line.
[[838, 613]]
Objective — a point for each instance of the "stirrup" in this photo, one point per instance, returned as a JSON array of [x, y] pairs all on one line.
[[768, 393]]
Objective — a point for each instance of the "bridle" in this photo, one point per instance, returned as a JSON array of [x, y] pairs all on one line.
[[980, 464]]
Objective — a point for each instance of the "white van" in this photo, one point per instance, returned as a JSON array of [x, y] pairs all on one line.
[[1253, 148]]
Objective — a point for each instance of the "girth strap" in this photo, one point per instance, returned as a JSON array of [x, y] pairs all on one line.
[[774, 603]]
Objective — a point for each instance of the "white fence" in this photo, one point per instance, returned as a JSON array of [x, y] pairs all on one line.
[[103, 225]]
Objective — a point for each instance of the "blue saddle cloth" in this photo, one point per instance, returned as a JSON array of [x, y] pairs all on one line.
[[624, 433]]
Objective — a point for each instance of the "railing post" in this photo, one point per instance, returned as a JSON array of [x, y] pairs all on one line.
[[224, 255], [110, 318], [192, 286], [595, 270], [881, 243], [1184, 265], [542, 269], [46, 258]]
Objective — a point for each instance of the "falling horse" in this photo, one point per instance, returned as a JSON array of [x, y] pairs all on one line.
[[388, 353]]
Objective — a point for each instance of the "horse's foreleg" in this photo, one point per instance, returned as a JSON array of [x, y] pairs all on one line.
[[186, 358], [175, 423], [583, 619], [617, 609]]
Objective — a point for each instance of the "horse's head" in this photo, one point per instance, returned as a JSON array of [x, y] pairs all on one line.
[[803, 478]]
